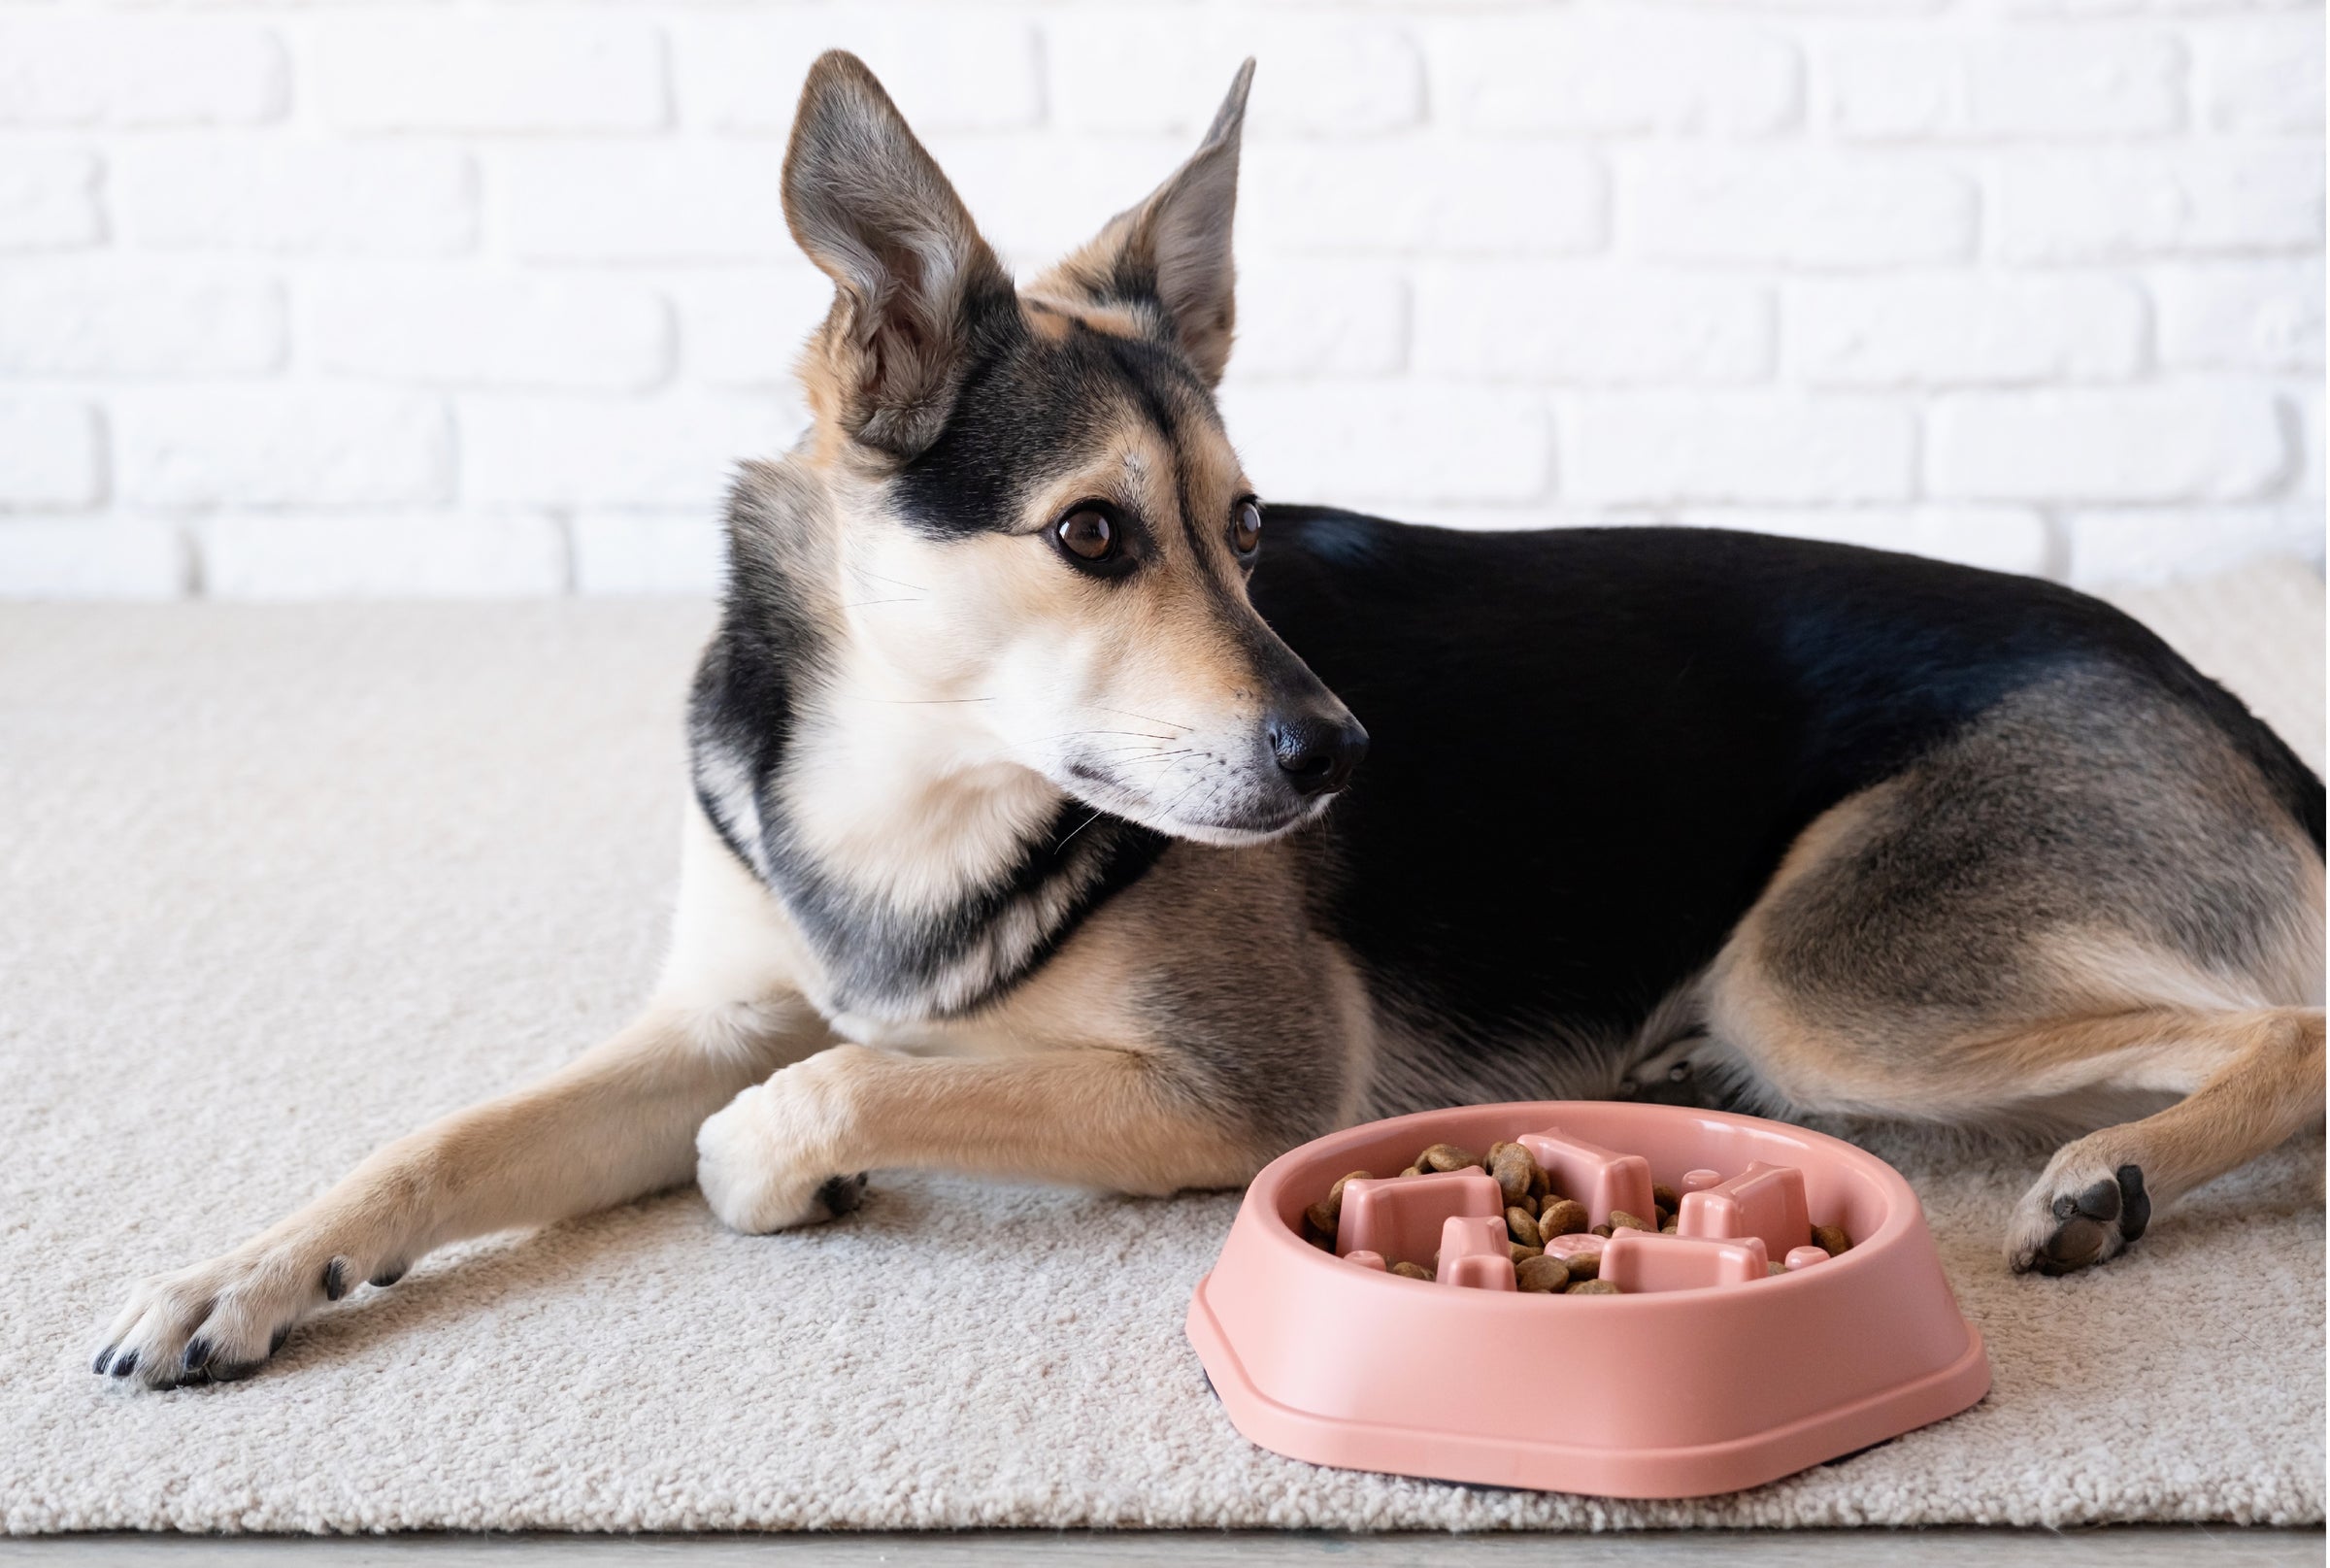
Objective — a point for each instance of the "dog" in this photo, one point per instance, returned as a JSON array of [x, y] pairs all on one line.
[[1030, 834]]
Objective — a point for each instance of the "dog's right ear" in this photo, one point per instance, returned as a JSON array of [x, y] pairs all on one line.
[[871, 208]]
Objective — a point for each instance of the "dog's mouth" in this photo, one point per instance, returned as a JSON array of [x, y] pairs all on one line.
[[1217, 804]]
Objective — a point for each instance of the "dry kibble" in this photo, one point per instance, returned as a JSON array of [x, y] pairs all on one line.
[[1664, 1214], [1541, 1186], [1521, 1225], [1601, 1231], [1514, 1169], [1411, 1271], [1771, 1269], [1831, 1239], [1447, 1158], [1335, 1192], [1529, 1205], [1412, 1170], [1667, 1229], [1541, 1274], [1619, 1216], [1561, 1216], [1665, 1198], [1519, 1253], [1582, 1265], [1593, 1287]]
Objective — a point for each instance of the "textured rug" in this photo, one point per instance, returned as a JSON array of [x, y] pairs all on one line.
[[279, 883]]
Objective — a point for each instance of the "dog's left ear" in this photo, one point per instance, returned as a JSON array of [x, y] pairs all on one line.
[[1172, 251]]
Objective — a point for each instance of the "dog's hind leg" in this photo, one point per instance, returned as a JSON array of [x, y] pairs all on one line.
[[2250, 1081], [618, 1122]]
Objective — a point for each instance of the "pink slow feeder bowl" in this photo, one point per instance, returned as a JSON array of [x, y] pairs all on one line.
[[1708, 1374]]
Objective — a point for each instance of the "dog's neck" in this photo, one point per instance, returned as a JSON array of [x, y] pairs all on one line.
[[927, 871]]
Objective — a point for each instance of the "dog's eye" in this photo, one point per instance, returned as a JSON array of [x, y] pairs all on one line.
[[1088, 534], [1246, 528]]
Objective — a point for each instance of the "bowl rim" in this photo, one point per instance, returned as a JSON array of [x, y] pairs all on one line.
[[1902, 1212]]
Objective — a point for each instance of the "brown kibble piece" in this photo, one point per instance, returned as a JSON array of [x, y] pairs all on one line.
[[1831, 1239], [1519, 1252], [1447, 1158], [1665, 1198], [1582, 1265], [1619, 1216], [1321, 1219], [1561, 1216], [1541, 1186], [1521, 1225], [1514, 1167], [1411, 1271], [1601, 1231], [1529, 1205], [1541, 1274], [1412, 1170], [1771, 1269], [1593, 1287], [1667, 1229], [1335, 1192], [1664, 1215]]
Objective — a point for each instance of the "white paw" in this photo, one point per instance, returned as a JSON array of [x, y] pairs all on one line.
[[217, 1321], [777, 1156]]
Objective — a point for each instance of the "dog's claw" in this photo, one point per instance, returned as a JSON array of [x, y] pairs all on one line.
[[335, 1280], [103, 1356], [2095, 1224], [125, 1364]]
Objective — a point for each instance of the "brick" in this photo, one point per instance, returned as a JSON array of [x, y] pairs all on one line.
[[1616, 73], [653, 553], [948, 68], [122, 316], [51, 454], [2260, 73], [2036, 81], [630, 202], [1962, 330], [1656, 447], [1504, 321], [744, 327], [1997, 539], [48, 200], [1793, 208], [2108, 206], [678, 451], [1320, 318], [91, 558], [367, 555], [294, 196], [1404, 442], [572, 70], [1458, 198], [2168, 443], [463, 330], [1113, 72], [2241, 315], [2180, 541], [280, 446], [139, 70]]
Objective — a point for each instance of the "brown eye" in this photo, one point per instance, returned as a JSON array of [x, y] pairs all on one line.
[[1088, 534], [1246, 528]]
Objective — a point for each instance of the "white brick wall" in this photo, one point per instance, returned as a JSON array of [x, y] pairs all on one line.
[[418, 298]]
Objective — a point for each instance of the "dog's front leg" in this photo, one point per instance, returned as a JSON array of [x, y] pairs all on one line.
[[618, 1122], [785, 1152]]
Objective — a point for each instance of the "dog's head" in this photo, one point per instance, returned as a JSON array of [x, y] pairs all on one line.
[[1043, 533]]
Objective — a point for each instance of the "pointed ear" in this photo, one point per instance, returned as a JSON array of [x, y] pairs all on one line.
[[1172, 251], [910, 269]]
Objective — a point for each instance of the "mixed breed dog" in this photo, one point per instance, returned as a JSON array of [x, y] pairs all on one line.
[[1030, 833]]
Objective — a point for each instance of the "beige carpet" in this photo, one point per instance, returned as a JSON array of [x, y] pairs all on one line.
[[276, 885]]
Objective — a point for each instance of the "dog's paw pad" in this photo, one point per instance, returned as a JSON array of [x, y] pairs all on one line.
[[841, 1194], [2091, 1224]]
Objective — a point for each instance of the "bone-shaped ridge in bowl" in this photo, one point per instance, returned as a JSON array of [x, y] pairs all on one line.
[[1709, 1370]]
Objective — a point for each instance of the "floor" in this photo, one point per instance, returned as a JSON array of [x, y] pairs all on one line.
[[2139, 1546]]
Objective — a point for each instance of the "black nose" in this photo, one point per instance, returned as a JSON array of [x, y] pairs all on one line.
[[1317, 753]]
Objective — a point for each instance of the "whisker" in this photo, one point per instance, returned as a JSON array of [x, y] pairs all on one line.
[[1078, 828], [1145, 718], [860, 604]]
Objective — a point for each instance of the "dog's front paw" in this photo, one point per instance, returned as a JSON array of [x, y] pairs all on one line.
[[216, 1321], [774, 1156], [2077, 1216]]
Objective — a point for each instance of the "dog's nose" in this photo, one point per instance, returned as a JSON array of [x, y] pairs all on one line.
[[1316, 752]]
